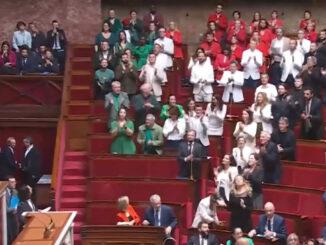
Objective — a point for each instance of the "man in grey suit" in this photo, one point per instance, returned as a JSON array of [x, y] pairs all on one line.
[[114, 101]]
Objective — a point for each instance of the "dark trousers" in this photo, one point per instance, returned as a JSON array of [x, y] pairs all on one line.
[[60, 56], [275, 73], [12, 227], [251, 83], [272, 176], [290, 81], [185, 169]]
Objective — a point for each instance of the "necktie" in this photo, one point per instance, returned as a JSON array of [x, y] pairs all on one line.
[[269, 225], [189, 148], [156, 217]]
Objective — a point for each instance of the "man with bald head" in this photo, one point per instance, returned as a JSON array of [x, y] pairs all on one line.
[[271, 226], [8, 164]]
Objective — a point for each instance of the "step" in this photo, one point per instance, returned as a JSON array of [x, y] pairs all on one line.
[[99, 125], [81, 93], [74, 180], [75, 168], [75, 164], [81, 63], [81, 213], [77, 239], [76, 156], [77, 227], [79, 107], [83, 51], [73, 202], [77, 191], [81, 78]]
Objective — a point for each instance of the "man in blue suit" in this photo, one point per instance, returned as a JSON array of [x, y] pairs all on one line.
[[271, 226], [160, 215]]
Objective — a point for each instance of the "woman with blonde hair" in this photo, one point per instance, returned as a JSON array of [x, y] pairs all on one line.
[[240, 204], [262, 113], [127, 215]]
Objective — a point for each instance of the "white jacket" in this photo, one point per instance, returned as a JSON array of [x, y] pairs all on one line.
[[291, 64], [263, 116], [201, 128], [251, 68], [269, 89], [169, 129], [249, 133], [204, 213], [202, 76], [241, 161], [304, 47], [148, 75], [234, 87], [168, 49], [215, 120]]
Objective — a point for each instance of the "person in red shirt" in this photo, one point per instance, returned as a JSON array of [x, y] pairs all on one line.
[[266, 35], [211, 48], [261, 46], [275, 22], [176, 36], [218, 36], [239, 32], [307, 18], [237, 16], [310, 34], [126, 216], [222, 62], [220, 19], [236, 50], [254, 25]]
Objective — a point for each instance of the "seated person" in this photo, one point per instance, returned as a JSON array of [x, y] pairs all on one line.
[[21, 37], [285, 140], [153, 74], [26, 204], [144, 103], [26, 61], [150, 136], [104, 52], [167, 47], [49, 64], [270, 225], [103, 79], [114, 101], [189, 157], [174, 128], [122, 130], [207, 210], [232, 80], [127, 74], [202, 76], [203, 235], [241, 153], [160, 215], [127, 216], [267, 88], [215, 112], [262, 112], [7, 60], [172, 102], [141, 52], [311, 117], [236, 235]]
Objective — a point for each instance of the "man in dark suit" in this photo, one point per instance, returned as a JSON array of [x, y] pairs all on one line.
[[25, 205], [26, 61], [271, 226], [31, 164], [270, 158], [12, 225], [8, 164], [190, 155], [311, 117], [160, 215], [203, 237]]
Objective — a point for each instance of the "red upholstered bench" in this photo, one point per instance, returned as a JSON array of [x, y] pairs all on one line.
[[310, 151]]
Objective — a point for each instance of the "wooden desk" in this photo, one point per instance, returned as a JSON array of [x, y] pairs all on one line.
[[107, 234]]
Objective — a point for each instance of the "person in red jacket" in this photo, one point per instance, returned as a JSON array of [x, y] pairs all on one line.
[[261, 46], [127, 215], [176, 36], [254, 25], [275, 22], [237, 16], [266, 35], [236, 50], [310, 34], [7, 60], [239, 32], [307, 18], [218, 36], [220, 19], [222, 62], [211, 48]]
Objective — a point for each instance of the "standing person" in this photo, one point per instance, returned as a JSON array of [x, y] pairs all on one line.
[[174, 34], [222, 62], [210, 47], [252, 60], [57, 41], [114, 101], [172, 102], [38, 37], [113, 21], [303, 44], [307, 19], [135, 26], [241, 154], [31, 163], [120, 47], [127, 74], [275, 22], [215, 111], [202, 76], [26, 204], [254, 25], [106, 35], [265, 33], [103, 80], [240, 204], [189, 157], [237, 30], [254, 174], [220, 19], [154, 17], [297, 98], [150, 136], [144, 103], [7, 60], [151, 34], [270, 159], [267, 88], [12, 204], [190, 108], [21, 37], [262, 112], [167, 46], [233, 81], [122, 130], [311, 117], [203, 236], [160, 215], [174, 129], [153, 74], [141, 53], [9, 165]]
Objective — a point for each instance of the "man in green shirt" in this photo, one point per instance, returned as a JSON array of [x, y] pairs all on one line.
[[171, 103], [103, 80], [150, 136]]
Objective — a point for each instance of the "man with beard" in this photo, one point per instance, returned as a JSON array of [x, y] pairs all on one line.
[[203, 236], [321, 51]]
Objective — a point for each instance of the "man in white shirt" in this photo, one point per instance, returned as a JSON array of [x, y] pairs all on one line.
[[291, 63], [233, 82], [153, 74], [303, 44], [267, 88], [202, 76], [252, 60], [167, 46], [21, 37], [199, 123]]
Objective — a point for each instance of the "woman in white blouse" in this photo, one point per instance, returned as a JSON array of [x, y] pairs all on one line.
[[224, 176], [190, 109], [215, 111], [262, 112], [174, 128], [247, 128], [241, 153]]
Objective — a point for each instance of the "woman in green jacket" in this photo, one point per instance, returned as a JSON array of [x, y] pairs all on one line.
[[141, 53], [172, 101]]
